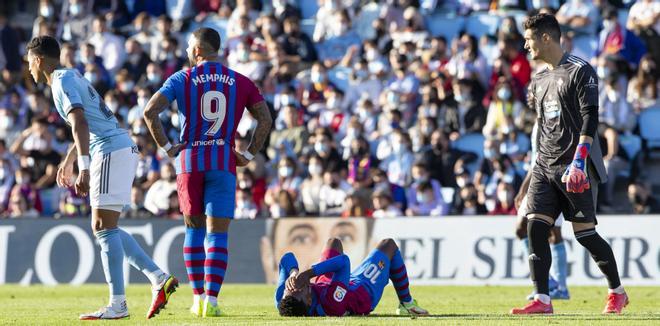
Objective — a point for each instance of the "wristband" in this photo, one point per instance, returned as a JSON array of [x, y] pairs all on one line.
[[248, 155], [167, 147], [83, 162]]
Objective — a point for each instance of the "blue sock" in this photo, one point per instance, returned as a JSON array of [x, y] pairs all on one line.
[[215, 264], [194, 256], [559, 264], [112, 258], [399, 277], [525, 243], [139, 259]]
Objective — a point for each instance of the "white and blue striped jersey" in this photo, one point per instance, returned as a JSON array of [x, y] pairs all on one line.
[[71, 89]]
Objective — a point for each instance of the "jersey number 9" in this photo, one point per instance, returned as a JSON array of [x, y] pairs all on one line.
[[217, 116]]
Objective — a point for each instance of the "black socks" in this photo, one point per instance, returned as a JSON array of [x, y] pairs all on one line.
[[540, 257], [602, 254]]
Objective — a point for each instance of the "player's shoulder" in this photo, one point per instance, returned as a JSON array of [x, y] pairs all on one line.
[[64, 76], [577, 65]]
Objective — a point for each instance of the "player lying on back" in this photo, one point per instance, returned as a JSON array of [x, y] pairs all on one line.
[[338, 292]]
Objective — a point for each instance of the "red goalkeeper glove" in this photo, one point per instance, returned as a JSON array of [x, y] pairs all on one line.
[[576, 177]]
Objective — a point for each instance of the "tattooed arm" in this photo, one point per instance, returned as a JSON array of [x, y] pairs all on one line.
[[260, 113], [157, 104]]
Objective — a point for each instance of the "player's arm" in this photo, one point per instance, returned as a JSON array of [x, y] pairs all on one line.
[[339, 265], [157, 104], [587, 98], [80, 130], [261, 113], [288, 267]]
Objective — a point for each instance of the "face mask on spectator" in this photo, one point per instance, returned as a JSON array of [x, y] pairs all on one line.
[[286, 100], [461, 182], [75, 9], [352, 133], [154, 78], [127, 86], [608, 25], [612, 95], [6, 122], [460, 98], [243, 204], [371, 55], [315, 169], [422, 177], [139, 130], [243, 56], [285, 171], [333, 103], [22, 181], [504, 197], [113, 106], [86, 60], [341, 29], [489, 153], [91, 77], [142, 101], [361, 74], [316, 77], [393, 97], [427, 130], [504, 93], [330, 5], [175, 120], [422, 198], [321, 148], [46, 11], [363, 113], [397, 147], [245, 184], [602, 72]]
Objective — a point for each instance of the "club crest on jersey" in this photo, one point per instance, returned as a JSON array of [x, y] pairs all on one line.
[[381, 264], [339, 294]]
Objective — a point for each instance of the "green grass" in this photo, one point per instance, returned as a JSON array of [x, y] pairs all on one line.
[[253, 304]]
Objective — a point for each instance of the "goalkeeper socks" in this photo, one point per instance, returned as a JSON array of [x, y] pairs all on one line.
[[215, 264], [112, 258], [194, 257], [539, 257], [399, 277], [559, 264], [601, 252], [139, 259]]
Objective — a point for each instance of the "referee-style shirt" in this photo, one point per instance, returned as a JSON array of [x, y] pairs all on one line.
[[561, 98]]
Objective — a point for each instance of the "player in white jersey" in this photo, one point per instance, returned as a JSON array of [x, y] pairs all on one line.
[[106, 177]]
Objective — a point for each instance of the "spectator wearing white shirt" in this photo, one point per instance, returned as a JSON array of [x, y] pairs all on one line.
[[157, 199], [421, 175], [326, 19], [427, 203], [644, 20], [108, 46], [333, 194], [245, 206]]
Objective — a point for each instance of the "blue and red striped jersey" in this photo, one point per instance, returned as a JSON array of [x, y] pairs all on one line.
[[210, 99]]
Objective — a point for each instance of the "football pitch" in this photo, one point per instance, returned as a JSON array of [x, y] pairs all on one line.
[[253, 304]]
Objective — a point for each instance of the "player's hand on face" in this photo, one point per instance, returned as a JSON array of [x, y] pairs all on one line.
[[174, 151], [289, 285], [82, 183], [64, 174]]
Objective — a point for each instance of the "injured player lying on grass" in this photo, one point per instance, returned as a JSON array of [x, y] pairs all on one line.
[[337, 291]]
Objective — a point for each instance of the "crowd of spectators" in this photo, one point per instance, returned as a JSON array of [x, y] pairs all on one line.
[[370, 105]]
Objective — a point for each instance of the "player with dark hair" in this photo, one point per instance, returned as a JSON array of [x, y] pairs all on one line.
[[211, 99], [569, 163], [107, 177], [339, 292]]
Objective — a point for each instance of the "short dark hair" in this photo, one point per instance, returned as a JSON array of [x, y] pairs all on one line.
[[544, 23], [292, 307], [208, 36], [46, 46]]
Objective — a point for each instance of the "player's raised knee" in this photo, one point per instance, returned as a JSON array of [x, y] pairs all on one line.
[[388, 246], [335, 244]]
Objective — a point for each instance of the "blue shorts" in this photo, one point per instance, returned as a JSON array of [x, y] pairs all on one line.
[[373, 274], [212, 193]]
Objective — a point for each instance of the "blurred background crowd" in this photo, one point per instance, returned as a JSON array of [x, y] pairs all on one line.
[[382, 108]]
